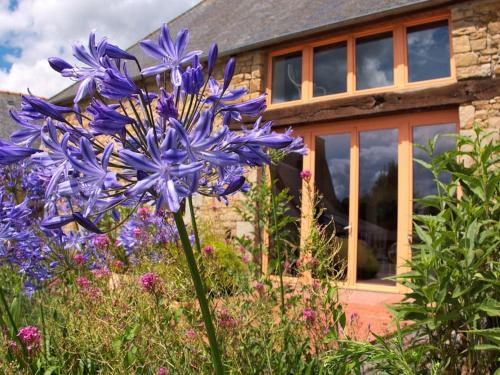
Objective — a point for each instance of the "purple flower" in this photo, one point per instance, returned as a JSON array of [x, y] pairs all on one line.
[[213, 51], [95, 64], [44, 108], [192, 78], [94, 176], [163, 167], [106, 120], [117, 85], [171, 54], [10, 153]]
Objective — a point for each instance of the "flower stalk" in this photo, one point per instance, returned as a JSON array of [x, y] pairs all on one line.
[[200, 294]]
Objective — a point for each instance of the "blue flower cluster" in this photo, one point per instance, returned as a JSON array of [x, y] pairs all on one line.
[[130, 146]]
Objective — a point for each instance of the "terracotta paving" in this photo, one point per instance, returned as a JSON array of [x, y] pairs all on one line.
[[366, 311]]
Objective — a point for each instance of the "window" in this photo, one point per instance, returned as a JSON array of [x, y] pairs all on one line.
[[374, 61], [423, 180], [428, 51], [330, 69], [332, 168], [287, 77], [286, 175], [393, 55], [366, 181]]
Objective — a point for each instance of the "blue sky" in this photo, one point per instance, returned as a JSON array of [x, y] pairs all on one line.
[[33, 30]]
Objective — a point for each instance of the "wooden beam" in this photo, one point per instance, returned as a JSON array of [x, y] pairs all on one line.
[[386, 103]]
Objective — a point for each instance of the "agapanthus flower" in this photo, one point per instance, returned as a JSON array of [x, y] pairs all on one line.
[[95, 66], [159, 157], [171, 54], [10, 153]]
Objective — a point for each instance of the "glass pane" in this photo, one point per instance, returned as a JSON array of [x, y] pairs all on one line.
[[423, 180], [428, 51], [374, 61], [287, 77], [286, 175], [330, 69], [332, 170], [378, 205]]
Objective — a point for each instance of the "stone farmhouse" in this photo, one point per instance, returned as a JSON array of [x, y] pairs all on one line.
[[362, 82]]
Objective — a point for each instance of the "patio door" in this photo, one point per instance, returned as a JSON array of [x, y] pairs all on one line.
[[364, 173]]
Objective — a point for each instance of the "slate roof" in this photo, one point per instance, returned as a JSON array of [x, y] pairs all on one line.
[[8, 100], [240, 25]]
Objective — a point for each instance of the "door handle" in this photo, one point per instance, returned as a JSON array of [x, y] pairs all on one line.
[[348, 228]]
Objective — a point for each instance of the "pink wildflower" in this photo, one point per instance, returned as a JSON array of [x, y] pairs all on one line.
[[79, 259], [208, 250], [259, 287], [190, 333], [226, 320], [149, 282], [83, 282], [309, 315], [305, 175], [162, 371], [31, 338], [245, 259], [101, 241], [137, 232], [143, 212], [118, 264], [100, 273]]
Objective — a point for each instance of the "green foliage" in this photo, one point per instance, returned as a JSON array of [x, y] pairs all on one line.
[[225, 272]]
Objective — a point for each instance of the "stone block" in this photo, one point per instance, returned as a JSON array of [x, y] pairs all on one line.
[[466, 59], [466, 115], [461, 44], [494, 27], [483, 70], [478, 44]]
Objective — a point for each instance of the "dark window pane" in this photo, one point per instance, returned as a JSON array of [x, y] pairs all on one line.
[[332, 170], [378, 206], [374, 61], [330, 69], [287, 77], [428, 52], [423, 180], [286, 175]]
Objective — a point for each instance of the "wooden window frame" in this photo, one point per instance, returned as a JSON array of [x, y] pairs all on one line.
[[404, 123], [399, 30]]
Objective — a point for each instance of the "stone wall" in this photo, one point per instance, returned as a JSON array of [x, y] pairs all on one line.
[[476, 47]]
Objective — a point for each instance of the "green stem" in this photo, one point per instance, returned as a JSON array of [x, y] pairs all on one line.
[[200, 294], [193, 223], [277, 243]]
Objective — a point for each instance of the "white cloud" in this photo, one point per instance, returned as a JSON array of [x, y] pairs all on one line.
[[44, 28]]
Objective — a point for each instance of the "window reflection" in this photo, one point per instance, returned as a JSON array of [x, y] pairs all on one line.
[[330, 69], [428, 51], [374, 61], [378, 185], [332, 170], [287, 77], [423, 180], [286, 175]]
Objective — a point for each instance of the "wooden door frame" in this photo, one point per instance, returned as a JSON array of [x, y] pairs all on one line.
[[404, 123]]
